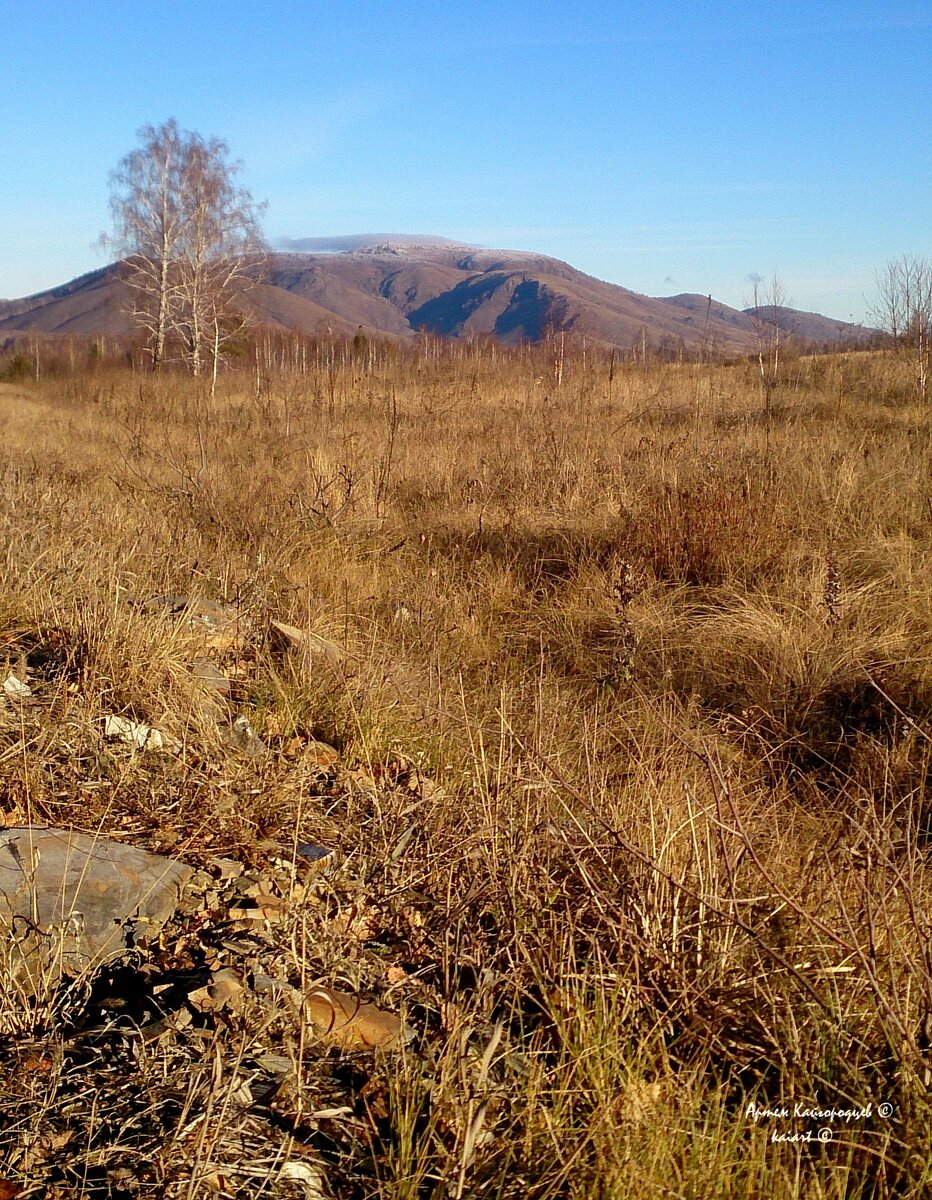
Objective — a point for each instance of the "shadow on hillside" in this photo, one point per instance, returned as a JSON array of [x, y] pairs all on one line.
[[445, 314]]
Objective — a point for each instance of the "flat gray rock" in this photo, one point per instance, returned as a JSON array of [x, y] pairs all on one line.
[[69, 901], [209, 675]]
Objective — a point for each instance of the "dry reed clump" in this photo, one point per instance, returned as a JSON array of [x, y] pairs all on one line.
[[720, 528], [634, 722]]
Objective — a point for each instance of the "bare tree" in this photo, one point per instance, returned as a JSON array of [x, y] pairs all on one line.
[[770, 318], [904, 310], [148, 221], [220, 253], [190, 237]]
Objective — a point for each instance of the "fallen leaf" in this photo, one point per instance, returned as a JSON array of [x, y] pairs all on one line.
[[224, 987], [276, 1064], [37, 1062], [242, 1094], [311, 750], [264, 908], [226, 868], [374, 1094], [363, 779], [321, 754], [429, 790], [361, 923]]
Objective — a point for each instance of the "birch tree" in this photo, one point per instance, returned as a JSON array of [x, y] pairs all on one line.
[[191, 243], [220, 253], [768, 314], [149, 223], [904, 311]]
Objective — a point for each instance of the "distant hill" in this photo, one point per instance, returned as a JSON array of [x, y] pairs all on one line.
[[811, 327], [401, 285], [92, 303]]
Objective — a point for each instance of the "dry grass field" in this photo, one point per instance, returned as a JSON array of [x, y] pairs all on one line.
[[634, 721]]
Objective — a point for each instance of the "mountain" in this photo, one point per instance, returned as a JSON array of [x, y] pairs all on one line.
[[398, 285], [811, 327], [92, 303]]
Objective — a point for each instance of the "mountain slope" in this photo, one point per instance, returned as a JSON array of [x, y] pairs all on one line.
[[808, 326], [92, 303], [398, 287]]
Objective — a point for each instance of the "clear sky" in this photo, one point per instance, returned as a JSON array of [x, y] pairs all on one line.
[[666, 146]]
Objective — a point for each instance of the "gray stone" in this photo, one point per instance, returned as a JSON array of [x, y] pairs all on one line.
[[210, 676], [315, 645], [242, 736], [70, 901]]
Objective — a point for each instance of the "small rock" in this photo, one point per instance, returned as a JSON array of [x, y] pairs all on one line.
[[314, 644], [16, 688], [210, 675], [242, 736], [139, 735]]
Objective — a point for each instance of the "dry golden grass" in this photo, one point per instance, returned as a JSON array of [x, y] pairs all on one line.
[[639, 674]]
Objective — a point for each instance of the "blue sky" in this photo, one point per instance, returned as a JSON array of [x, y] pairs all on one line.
[[665, 146]]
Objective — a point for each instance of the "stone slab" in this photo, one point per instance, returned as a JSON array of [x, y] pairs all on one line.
[[69, 900]]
